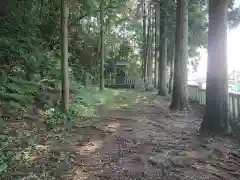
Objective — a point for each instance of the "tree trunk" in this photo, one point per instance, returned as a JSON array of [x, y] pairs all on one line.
[[216, 119], [89, 24], [157, 41], [64, 54], [146, 32], [144, 47], [180, 97], [162, 87], [150, 51], [102, 45], [171, 65]]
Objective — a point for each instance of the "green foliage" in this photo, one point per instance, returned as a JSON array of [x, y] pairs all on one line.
[[4, 160], [18, 91], [30, 38], [84, 104], [30, 51]]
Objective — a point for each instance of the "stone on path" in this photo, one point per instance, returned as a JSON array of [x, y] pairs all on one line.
[[167, 161], [158, 160]]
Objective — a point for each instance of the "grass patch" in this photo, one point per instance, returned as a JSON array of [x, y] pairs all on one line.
[[127, 99], [87, 100], [84, 104]]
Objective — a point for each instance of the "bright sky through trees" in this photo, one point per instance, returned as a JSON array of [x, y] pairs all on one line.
[[233, 48], [233, 54]]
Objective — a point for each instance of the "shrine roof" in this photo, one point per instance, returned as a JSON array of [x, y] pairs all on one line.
[[122, 63]]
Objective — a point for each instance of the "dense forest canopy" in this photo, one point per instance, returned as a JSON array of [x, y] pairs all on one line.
[[36, 26]]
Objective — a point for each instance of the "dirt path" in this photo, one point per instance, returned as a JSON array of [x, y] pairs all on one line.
[[146, 141], [135, 139]]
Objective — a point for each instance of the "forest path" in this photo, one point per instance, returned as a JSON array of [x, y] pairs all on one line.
[[135, 138], [144, 140]]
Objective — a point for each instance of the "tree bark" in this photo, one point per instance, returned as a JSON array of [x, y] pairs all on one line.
[[216, 119], [171, 65], [64, 54], [150, 50], [157, 42], [144, 40], [102, 45], [146, 33], [162, 87], [180, 94]]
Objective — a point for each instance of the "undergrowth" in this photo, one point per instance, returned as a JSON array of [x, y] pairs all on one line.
[[84, 104], [17, 139]]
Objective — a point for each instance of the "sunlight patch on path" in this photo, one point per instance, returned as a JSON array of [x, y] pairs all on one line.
[[90, 147], [111, 127]]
